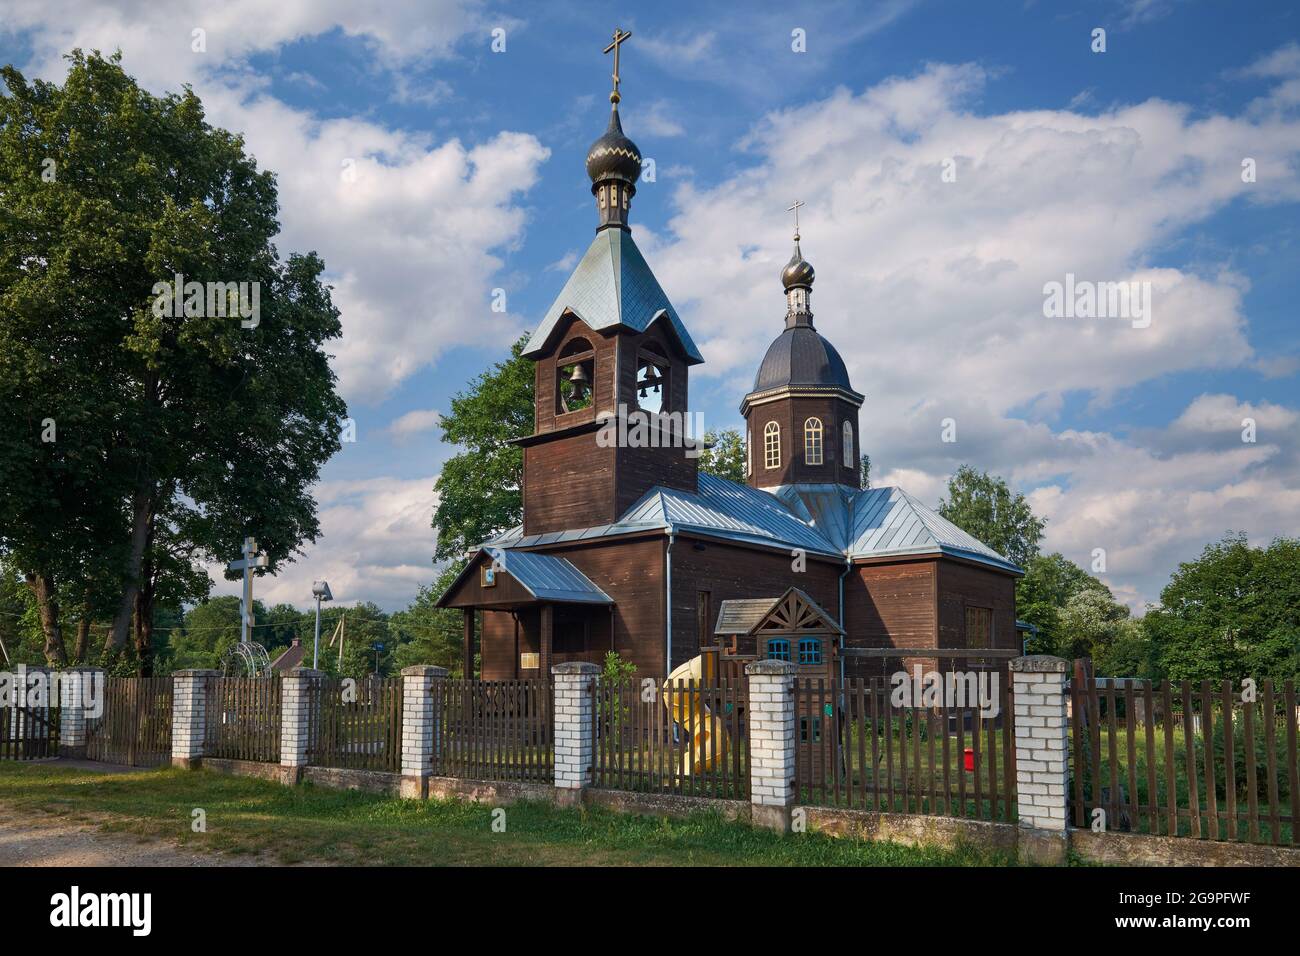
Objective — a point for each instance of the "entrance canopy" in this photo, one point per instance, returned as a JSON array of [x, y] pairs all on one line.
[[501, 578]]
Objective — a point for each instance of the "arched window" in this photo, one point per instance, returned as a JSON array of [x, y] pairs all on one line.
[[812, 441], [778, 650], [575, 374], [810, 650], [848, 444], [772, 445]]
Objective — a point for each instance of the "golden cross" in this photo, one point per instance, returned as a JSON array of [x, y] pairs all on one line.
[[619, 37], [795, 209]]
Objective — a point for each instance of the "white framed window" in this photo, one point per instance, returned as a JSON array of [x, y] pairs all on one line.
[[812, 441], [848, 444], [771, 445]]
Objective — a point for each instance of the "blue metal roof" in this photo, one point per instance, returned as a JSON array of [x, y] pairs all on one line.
[[613, 286], [827, 519], [889, 521], [548, 577]]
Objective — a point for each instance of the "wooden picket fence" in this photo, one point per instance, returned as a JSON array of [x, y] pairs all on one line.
[[855, 748], [494, 730], [28, 733], [243, 718], [356, 724], [135, 725], [688, 738], [1177, 759]]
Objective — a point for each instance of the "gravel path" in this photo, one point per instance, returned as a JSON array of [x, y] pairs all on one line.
[[53, 841]]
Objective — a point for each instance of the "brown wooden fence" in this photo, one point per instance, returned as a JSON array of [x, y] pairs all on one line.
[[243, 718], [356, 724], [1181, 759], [28, 733], [856, 747], [135, 726], [494, 730], [685, 738]]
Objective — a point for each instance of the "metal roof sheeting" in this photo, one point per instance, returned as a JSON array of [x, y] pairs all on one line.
[[612, 286], [548, 577], [826, 519]]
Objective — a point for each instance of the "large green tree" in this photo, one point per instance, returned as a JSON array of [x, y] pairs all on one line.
[[725, 456], [480, 490], [178, 432], [982, 505], [427, 634], [1233, 612], [1050, 581]]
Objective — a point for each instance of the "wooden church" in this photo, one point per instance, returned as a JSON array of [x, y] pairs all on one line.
[[626, 546]]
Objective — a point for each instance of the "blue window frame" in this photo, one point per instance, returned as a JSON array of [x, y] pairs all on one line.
[[810, 650], [778, 650]]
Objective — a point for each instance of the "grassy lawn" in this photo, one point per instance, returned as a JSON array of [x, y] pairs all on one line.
[[311, 824]]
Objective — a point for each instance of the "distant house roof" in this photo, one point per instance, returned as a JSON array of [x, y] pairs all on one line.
[[612, 287], [548, 577], [830, 520], [290, 657]]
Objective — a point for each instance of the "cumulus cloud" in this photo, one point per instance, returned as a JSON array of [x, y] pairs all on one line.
[[933, 291], [414, 423], [375, 545]]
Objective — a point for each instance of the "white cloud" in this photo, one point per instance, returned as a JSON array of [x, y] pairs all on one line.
[[415, 422], [933, 293], [376, 545]]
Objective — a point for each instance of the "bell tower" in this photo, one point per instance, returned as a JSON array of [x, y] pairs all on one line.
[[801, 418], [610, 356]]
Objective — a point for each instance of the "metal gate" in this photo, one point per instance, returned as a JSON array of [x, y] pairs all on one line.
[[135, 727]]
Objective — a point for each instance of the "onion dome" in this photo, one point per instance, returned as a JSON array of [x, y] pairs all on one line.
[[614, 156], [798, 272]]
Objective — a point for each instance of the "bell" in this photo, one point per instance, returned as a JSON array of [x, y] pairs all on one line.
[[578, 379]]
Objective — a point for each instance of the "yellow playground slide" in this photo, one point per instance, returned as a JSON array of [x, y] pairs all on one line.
[[690, 712]]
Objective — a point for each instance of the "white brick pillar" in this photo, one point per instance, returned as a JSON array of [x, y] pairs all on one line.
[[575, 686], [81, 690], [1042, 755], [299, 686], [189, 711], [770, 720], [421, 693]]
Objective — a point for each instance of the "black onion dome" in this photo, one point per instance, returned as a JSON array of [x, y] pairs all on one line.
[[800, 356], [798, 271], [614, 155]]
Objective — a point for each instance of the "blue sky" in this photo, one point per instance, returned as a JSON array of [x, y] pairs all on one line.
[[429, 170]]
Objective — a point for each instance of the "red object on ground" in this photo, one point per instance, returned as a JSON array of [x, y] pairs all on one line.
[[970, 759]]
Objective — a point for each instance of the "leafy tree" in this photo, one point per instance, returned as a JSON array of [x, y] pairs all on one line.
[[1233, 612], [209, 629], [480, 490], [982, 505], [426, 634], [189, 429], [1050, 581], [726, 457], [864, 471]]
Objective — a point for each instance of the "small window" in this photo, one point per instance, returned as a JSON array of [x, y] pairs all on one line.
[[810, 650], [778, 650], [848, 445], [816, 735], [812, 441], [488, 575], [772, 445]]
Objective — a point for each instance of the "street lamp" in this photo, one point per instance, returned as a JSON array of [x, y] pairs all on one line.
[[321, 590]]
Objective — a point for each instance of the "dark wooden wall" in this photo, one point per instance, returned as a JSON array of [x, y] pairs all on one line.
[[964, 585], [730, 571], [889, 605], [790, 414]]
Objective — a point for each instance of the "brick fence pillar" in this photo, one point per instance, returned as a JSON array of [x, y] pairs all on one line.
[[296, 713], [575, 685], [1042, 756], [421, 689], [81, 692], [189, 712], [771, 743]]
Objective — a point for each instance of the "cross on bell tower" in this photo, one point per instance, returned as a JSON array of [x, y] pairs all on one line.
[[619, 37]]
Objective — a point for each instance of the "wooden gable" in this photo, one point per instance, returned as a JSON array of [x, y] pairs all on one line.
[[795, 613]]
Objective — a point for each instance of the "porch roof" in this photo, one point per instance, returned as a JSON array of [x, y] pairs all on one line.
[[548, 577]]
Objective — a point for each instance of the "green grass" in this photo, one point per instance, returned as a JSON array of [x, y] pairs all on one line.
[[312, 824]]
